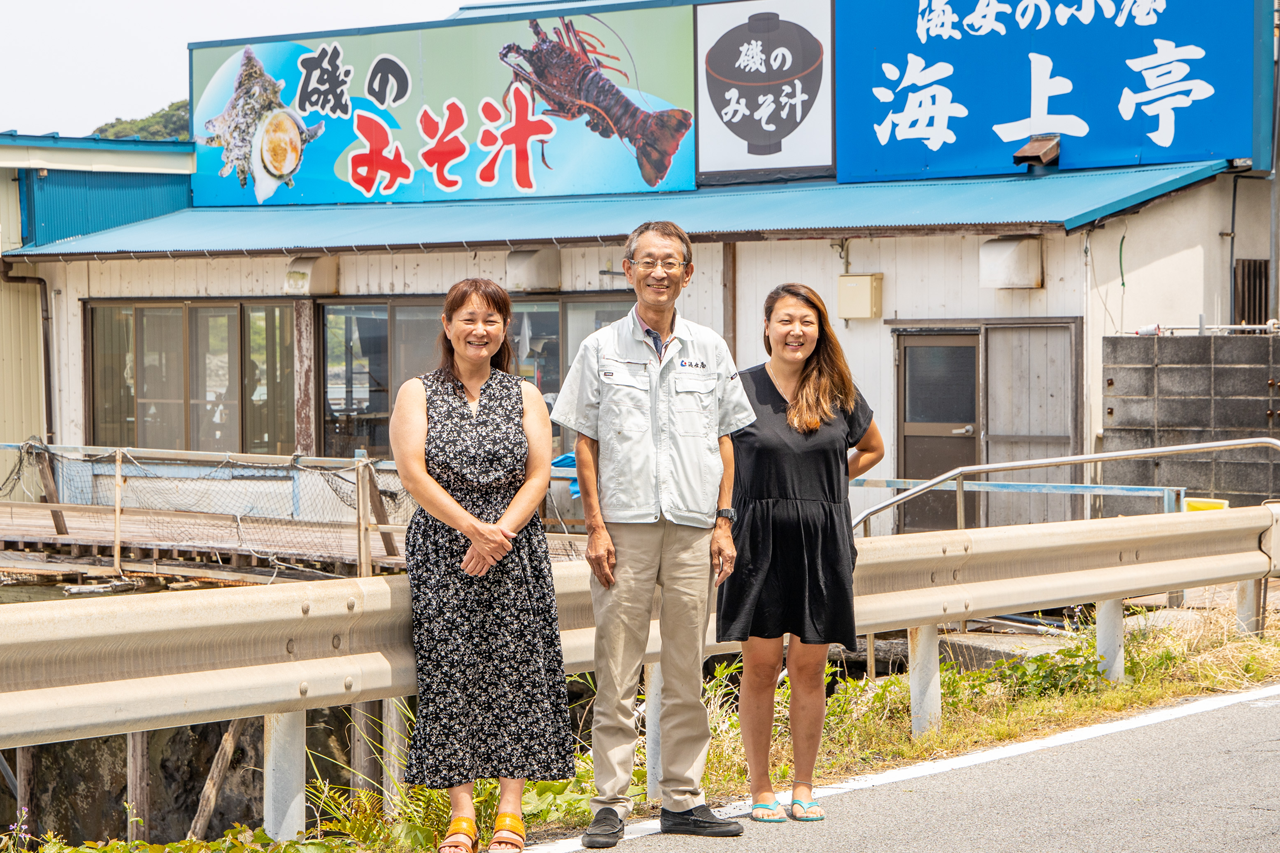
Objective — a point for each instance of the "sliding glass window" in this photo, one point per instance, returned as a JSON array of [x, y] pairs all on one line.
[[192, 377], [357, 398]]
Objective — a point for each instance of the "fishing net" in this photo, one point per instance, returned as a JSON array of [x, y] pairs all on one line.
[[283, 513]]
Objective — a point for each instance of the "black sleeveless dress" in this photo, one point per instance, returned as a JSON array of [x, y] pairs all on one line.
[[794, 572], [491, 685]]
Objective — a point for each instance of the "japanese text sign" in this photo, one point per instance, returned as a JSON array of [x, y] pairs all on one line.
[[764, 88], [933, 88], [554, 106]]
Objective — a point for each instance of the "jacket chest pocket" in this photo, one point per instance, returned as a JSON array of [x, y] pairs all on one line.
[[624, 401], [693, 404]]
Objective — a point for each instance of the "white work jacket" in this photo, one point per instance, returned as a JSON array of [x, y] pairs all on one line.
[[658, 422]]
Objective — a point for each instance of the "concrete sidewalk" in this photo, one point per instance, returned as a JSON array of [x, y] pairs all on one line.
[[1203, 775]]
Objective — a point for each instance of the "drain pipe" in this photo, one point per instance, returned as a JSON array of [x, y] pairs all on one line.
[[46, 334]]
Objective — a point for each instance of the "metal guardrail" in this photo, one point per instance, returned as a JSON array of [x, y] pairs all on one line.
[[77, 669], [958, 475]]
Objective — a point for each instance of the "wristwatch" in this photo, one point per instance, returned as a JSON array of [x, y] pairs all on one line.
[[730, 513]]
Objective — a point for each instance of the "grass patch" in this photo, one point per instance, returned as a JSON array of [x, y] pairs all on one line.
[[868, 724], [867, 730]]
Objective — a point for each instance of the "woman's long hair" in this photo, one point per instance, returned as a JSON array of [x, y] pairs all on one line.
[[492, 295], [825, 382]]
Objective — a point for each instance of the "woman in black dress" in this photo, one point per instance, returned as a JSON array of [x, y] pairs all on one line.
[[491, 687], [793, 533]]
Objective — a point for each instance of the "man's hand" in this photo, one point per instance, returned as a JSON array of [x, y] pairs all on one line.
[[723, 554], [601, 556]]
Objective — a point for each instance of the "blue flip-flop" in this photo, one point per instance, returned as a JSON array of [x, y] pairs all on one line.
[[791, 809], [773, 807]]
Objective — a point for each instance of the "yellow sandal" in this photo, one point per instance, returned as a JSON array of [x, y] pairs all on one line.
[[466, 827], [513, 824]]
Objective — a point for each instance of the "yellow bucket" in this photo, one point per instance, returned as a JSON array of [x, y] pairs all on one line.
[[1199, 504]]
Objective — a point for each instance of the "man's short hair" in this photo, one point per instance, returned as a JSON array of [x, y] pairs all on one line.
[[666, 229]]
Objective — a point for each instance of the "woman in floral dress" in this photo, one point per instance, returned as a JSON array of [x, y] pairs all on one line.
[[491, 687]]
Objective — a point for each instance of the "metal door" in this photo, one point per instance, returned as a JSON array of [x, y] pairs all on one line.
[[937, 422]]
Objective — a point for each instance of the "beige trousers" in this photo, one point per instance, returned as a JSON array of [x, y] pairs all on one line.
[[674, 559]]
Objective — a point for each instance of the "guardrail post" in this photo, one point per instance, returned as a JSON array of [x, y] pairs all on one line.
[[925, 678], [653, 729], [395, 751], [138, 784], [1110, 628], [960, 503], [1249, 606], [284, 774]]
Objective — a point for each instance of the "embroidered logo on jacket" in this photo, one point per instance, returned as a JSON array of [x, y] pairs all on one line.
[[701, 365]]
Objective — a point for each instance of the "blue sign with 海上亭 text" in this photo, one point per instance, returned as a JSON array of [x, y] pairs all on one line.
[[936, 88]]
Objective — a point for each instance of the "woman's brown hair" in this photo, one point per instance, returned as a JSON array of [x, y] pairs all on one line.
[[492, 295], [825, 382]]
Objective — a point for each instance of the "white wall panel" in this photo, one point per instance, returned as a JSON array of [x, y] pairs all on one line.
[[925, 278]]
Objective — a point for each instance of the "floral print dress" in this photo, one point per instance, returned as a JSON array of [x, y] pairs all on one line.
[[491, 686]]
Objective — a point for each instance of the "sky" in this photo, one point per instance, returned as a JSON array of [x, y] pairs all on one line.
[[70, 66]]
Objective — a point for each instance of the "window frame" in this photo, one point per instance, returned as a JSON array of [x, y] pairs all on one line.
[[238, 303]]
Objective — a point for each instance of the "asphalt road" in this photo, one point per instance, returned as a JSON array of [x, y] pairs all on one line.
[[1207, 781]]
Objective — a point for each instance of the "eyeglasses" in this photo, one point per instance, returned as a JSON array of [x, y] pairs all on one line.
[[648, 265]]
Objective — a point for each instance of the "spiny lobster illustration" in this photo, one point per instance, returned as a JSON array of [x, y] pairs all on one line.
[[568, 75]]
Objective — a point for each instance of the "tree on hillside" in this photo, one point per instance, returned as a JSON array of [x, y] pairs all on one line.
[[163, 124]]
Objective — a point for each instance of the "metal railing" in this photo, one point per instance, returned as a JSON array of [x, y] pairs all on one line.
[[958, 475], [1171, 497]]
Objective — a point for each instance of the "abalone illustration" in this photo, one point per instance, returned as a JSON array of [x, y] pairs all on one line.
[[259, 135]]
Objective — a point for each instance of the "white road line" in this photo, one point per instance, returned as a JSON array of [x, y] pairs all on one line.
[[742, 808]]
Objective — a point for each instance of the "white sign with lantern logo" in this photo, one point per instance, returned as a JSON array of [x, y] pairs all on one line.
[[764, 86]]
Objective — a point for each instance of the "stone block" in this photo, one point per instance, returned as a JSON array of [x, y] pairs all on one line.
[[1241, 381], [1170, 437], [1238, 500], [1241, 349], [1244, 454], [1129, 472], [1241, 413], [1113, 505], [1128, 412], [1176, 471], [1192, 349], [1127, 439], [1128, 381], [1194, 412], [1184, 381], [1248, 477], [1128, 349]]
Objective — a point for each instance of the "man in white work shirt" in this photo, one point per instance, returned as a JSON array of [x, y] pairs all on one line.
[[653, 399]]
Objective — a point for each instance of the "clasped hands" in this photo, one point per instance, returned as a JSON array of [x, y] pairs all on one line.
[[489, 544]]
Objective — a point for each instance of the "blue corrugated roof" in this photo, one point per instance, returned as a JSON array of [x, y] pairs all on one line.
[[53, 140], [1067, 199]]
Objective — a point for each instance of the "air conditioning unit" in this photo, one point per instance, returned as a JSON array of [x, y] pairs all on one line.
[[1011, 262], [538, 270]]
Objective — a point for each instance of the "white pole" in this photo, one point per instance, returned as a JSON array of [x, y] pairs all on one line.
[[285, 774], [1249, 606], [1111, 638], [925, 677], [395, 749], [653, 729]]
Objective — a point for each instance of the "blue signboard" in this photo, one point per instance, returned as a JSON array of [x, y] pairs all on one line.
[[935, 88]]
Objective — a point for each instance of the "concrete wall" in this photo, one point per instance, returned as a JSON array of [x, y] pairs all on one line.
[[1185, 390]]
